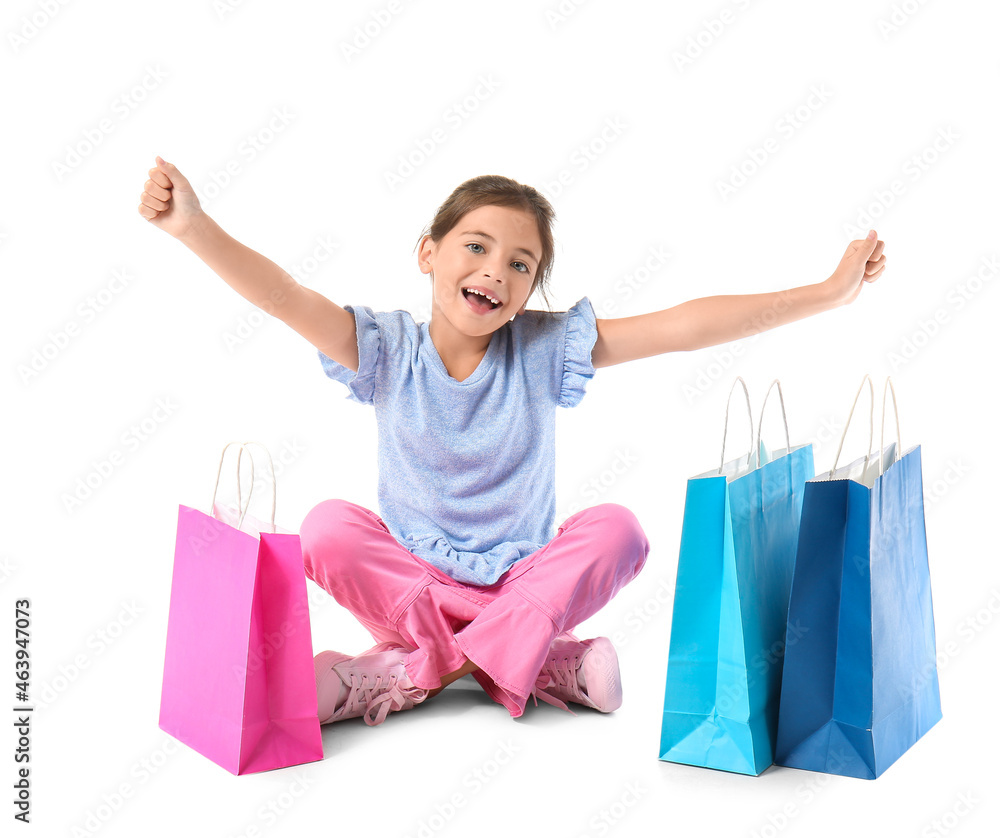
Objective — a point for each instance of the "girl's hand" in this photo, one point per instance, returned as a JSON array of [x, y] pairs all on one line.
[[169, 202], [863, 261]]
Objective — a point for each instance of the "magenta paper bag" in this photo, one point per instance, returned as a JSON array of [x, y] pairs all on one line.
[[238, 679]]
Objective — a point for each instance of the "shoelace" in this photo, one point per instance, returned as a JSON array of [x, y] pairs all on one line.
[[559, 674], [385, 697]]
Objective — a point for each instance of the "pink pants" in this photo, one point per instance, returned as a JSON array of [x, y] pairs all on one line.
[[506, 628]]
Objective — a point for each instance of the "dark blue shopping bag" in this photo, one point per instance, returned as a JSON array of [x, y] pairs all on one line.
[[738, 540], [860, 684]]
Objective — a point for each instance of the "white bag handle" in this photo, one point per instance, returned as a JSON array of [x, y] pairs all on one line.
[[274, 482], [239, 502], [784, 417], [871, 424], [895, 409], [722, 461]]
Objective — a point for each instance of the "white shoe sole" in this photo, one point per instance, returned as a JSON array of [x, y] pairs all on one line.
[[602, 676]]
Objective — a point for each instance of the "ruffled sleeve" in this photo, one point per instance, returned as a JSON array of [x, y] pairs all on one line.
[[581, 335], [360, 385]]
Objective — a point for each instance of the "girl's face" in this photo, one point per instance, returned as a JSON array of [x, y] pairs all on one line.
[[494, 250]]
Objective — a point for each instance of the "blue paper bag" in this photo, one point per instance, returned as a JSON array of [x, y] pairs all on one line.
[[860, 686], [727, 634]]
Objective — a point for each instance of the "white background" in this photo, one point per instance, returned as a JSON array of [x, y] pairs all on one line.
[[877, 115]]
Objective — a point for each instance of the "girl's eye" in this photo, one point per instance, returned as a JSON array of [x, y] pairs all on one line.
[[523, 269]]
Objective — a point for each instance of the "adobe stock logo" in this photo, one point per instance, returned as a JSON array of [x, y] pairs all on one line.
[[454, 117], [958, 297], [363, 35], [103, 468], [61, 338]]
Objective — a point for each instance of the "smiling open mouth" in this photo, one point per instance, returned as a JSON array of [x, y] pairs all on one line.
[[481, 300]]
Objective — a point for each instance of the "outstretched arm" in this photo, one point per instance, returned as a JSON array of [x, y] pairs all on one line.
[[709, 321], [169, 202]]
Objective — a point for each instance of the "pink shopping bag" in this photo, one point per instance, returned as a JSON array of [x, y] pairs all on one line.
[[238, 679]]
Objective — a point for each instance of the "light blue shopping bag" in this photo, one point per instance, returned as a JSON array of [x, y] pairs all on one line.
[[727, 635]]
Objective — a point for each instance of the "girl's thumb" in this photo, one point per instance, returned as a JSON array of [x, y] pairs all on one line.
[[863, 248], [176, 177]]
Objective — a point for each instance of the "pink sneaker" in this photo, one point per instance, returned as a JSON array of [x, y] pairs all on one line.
[[372, 685], [582, 671]]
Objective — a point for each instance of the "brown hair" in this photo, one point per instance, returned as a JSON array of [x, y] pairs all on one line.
[[497, 190]]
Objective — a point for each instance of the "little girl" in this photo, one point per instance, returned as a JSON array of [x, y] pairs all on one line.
[[462, 574]]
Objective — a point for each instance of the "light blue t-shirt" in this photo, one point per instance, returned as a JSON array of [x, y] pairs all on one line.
[[467, 468]]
